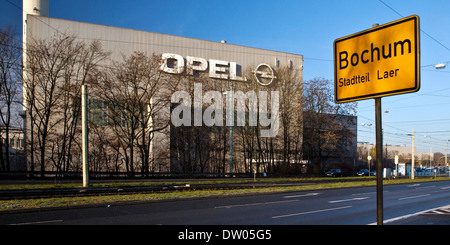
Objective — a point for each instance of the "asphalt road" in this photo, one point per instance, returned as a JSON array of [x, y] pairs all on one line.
[[424, 203]]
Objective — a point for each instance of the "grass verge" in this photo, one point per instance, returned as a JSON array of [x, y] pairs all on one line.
[[61, 202]]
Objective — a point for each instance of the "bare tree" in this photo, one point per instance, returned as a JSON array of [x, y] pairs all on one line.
[[277, 153], [82, 70], [325, 122], [195, 147], [290, 87], [54, 71], [10, 67], [136, 97]]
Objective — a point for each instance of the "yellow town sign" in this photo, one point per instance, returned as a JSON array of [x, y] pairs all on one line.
[[378, 62]]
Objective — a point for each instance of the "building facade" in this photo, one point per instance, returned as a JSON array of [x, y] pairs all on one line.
[[194, 128], [330, 142]]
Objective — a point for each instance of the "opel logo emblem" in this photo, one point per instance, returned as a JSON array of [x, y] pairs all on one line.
[[264, 74]]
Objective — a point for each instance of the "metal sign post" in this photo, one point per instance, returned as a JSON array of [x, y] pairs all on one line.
[[379, 155], [381, 61]]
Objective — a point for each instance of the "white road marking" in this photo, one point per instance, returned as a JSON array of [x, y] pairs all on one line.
[[310, 212], [349, 199], [403, 198], [303, 195], [255, 204], [413, 185], [410, 215]]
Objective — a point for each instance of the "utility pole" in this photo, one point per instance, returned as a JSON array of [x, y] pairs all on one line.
[[412, 156], [446, 150], [230, 122], [84, 126], [385, 135], [369, 156], [430, 155]]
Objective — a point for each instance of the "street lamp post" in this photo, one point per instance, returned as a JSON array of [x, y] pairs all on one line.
[[412, 154], [385, 136], [230, 122], [368, 149], [446, 152], [430, 148]]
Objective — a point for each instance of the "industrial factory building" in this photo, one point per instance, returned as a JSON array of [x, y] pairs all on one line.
[[221, 66], [217, 107]]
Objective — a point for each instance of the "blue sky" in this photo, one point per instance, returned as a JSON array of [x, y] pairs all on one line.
[[300, 27]]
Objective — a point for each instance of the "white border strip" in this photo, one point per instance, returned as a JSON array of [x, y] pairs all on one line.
[[410, 215]]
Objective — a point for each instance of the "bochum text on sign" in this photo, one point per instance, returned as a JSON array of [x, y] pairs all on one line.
[[378, 62]]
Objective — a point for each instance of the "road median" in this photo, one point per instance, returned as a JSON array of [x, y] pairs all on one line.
[[108, 194]]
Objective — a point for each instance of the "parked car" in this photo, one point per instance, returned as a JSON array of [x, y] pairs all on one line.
[[373, 173], [363, 172], [334, 173]]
